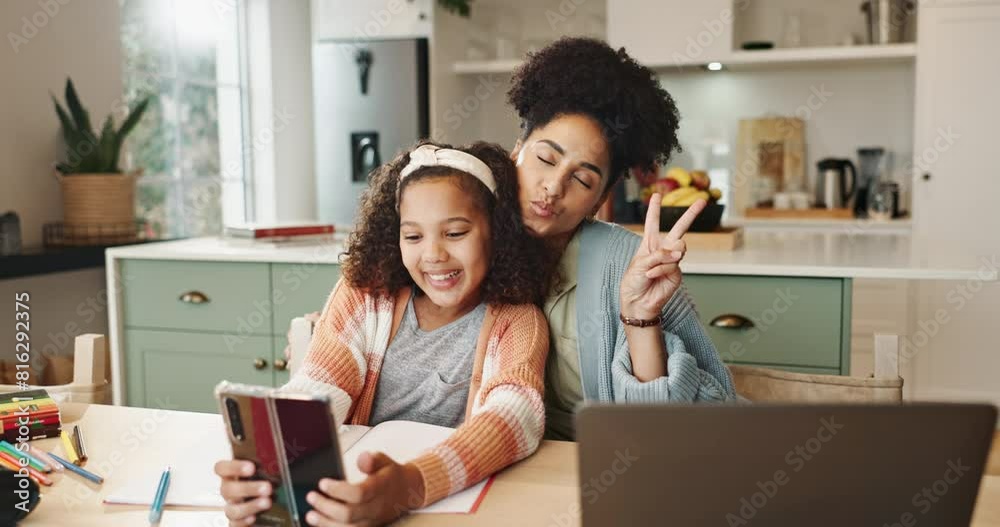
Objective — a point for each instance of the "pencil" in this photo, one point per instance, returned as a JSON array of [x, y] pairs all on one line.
[[32, 460], [44, 456], [34, 474], [68, 446], [77, 470], [16, 468], [78, 443]]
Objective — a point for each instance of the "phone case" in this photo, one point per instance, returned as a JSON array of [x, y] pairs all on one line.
[[292, 439]]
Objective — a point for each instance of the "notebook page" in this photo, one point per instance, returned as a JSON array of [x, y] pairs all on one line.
[[404, 441], [193, 482], [191, 456]]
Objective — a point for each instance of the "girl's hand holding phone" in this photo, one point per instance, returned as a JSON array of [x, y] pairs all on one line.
[[244, 498], [389, 490]]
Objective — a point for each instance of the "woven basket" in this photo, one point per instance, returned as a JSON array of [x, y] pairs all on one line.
[[98, 199]]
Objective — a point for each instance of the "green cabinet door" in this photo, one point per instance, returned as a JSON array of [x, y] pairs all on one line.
[[179, 370], [299, 289], [797, 323]]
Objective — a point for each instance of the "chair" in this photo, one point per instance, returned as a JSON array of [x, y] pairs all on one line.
[[299, 335], [90, 353], [768, 385]]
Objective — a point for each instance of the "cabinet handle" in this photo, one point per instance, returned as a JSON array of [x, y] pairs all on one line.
[[259, 363], [927, 176], [194, 297], [731, 321], [281, 365]]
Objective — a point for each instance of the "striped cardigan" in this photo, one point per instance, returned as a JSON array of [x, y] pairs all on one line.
[[504, 417]]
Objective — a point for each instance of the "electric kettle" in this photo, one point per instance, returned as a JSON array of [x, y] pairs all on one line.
[[832, 189]]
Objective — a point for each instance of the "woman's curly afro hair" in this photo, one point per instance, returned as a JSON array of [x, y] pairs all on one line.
[[520, 267], [586, 76]]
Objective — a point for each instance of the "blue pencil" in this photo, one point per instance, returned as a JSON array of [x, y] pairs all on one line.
[[79, 471], [156, 511]]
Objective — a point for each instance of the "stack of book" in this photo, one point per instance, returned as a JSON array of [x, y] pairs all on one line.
[[43, 419], [279, 234]]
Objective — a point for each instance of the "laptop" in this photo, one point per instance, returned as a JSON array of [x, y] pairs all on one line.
[[800, 465]]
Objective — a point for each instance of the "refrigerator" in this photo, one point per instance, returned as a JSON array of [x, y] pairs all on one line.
[[371, 102]]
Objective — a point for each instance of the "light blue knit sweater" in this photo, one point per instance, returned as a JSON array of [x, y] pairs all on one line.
[[694, 370]]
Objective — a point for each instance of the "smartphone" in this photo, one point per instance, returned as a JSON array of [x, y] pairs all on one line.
[[312, 452], [292, 440]]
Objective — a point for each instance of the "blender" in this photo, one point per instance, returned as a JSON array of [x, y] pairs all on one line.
[[871, 164]]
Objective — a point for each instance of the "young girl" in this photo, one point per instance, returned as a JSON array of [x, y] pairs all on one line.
[[433, 322]]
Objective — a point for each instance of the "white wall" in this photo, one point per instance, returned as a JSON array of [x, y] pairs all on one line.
[[61, 306], [80, 40]]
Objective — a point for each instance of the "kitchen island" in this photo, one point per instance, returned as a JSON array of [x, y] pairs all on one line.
[[185, 314]]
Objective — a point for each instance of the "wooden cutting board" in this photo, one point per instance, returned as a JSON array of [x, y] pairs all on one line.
[[723, 239], [803, 214]]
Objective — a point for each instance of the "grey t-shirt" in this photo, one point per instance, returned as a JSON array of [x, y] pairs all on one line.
[[425, 374]]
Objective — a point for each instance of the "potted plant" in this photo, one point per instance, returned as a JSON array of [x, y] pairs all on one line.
[[98, 198]]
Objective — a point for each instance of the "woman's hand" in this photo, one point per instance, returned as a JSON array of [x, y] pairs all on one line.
[[654, 273], [244, 499], [389, 490]]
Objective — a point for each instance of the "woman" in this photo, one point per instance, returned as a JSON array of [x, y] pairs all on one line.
[[622, 327]]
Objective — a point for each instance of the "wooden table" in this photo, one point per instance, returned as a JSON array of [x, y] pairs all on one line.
[[538, 491]]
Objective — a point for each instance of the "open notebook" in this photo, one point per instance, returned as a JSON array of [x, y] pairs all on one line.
[[194, 484]]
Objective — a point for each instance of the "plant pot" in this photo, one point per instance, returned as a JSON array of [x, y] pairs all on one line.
[[98, 207]]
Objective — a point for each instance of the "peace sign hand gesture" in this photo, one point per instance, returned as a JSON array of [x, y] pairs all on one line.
[[654, 273]]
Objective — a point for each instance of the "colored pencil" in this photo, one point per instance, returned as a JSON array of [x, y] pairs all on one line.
[[38, 476], [160, 498], [81, 450], [77, 470], [68, 446], [44, 456], [16, 468], [32, 460]]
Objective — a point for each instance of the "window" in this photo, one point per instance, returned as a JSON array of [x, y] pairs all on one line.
[[191, 142]]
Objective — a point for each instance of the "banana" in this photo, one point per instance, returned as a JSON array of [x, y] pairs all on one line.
[[681, 176], [674, 196], [689, 199]]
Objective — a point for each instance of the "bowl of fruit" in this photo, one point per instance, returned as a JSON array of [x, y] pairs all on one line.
[[679, 189]]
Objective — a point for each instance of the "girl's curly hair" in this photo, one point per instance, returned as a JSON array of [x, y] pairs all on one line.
[[520, 267], [586, 76]]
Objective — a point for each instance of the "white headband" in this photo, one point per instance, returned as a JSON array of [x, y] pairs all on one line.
[[431, 156]]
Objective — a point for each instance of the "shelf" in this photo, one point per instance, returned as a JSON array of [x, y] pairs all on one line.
[[744, 59], [886, 53], [473, 67]]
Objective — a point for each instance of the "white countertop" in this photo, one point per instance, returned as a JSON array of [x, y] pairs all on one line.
[[794, 253], [852, 226]]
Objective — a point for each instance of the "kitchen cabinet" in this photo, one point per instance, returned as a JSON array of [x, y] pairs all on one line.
[[799, 324], [371, 19], [189, 324], [668, 32], [953, 340], [795, 288]]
